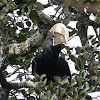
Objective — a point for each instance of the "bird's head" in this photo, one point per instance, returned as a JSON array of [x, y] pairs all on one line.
[[60, 34]]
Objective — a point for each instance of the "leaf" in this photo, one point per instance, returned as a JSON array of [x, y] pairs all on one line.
[[85, 89], [23, 9], [28, 23], [55, 83], [37, 78], [42, 84], [82, 61], [54, 97], [71, 33], [62, 46], [78, 50], [86, 85], [82, 92], [43, 97], [22, 36], [42, 76], [11, 1], [67, 48], [79, 80], [92, 87], [48, 94], [73, 81], [2, 17], [20, 24], [94, 78], [75, 92], [84, 74], [20, 76], [23, 92], [66, 20], [86, 55], [3, 1], [57, 78], [63, 55], [77, 64], [93, 41], [30, 6], [19, 12], [31, 98], [66, 3], [25, 30], [72, 58], [50, 87], [64, 80], [90, 37], [34, 17], [61, 91], [12, 60], [5, 73], [39, 6]]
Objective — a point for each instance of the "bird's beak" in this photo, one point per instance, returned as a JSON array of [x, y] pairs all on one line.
[[60, 34], [59, 39]]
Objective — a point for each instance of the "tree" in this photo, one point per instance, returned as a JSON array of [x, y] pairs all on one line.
[[18, 48]]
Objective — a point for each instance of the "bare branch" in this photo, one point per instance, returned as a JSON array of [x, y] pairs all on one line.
[[35, 40], [25, 84], [9, 85], [23, 47]]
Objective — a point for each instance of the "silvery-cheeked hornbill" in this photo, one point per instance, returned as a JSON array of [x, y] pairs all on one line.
[[49, 62]]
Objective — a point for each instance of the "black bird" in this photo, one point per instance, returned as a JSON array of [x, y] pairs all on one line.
[[49, 62]]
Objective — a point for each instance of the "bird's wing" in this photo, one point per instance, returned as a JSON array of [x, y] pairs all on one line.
[[63, 67]]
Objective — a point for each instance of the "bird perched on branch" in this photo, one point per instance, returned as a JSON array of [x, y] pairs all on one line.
[[49, 62]]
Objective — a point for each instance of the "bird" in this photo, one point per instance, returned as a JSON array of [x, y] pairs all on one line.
[[49, 62]]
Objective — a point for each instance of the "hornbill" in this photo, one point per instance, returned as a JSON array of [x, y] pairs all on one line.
[[49, 62]]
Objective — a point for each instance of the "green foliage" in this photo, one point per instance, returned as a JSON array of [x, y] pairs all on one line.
[[23, 15], [91, 1], [39, 6], [34, 17], [81, 83], [62, 89], [3, 1]]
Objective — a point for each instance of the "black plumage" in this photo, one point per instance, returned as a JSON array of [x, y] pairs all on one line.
[[49, 62]]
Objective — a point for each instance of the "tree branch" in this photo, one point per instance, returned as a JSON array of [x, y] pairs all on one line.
[[82, 32], [35, 40], [80, 5], [9, 85], [31, 43], [82, 28], [77, 17]]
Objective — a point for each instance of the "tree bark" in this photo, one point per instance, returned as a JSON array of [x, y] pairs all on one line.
[[82, 33], [6, 50]]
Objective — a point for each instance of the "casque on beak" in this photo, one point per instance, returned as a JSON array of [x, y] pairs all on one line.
[[60, 34]]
